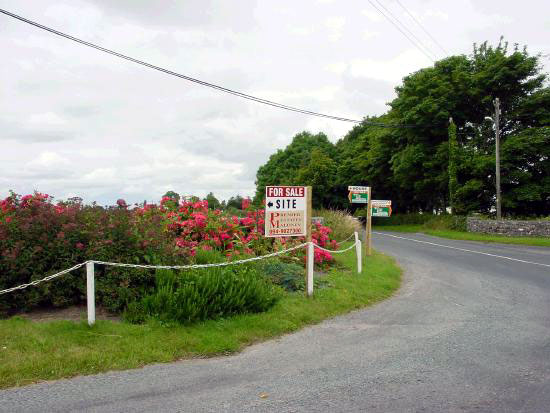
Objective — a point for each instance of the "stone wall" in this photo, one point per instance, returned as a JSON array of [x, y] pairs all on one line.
[[509, 227]]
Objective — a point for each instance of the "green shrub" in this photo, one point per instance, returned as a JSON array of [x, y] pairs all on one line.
[[290, 276], [209, 256], [427, 221], [400, 219], [341, 223], [446, 222], [202, 294], [39, 238]]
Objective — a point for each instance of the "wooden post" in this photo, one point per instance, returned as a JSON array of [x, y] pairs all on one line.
[[90, 292], [359, 252], [368, 229], [310, 247]]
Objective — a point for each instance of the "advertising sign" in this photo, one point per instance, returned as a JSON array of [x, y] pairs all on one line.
[[285, 211], [381, 208], [359, 189], [358, 194], [358, 198]]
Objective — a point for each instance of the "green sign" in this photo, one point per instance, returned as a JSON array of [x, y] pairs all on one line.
[[359, 198], [381, 211]]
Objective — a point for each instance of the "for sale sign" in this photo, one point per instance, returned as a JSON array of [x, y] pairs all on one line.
[[359, 189], [358, 194], [381, 208], [285, 211]]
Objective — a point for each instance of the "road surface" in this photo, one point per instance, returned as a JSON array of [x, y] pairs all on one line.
[[467, 332]]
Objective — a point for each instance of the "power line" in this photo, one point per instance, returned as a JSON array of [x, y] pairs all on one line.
[[422, 27], [418, 46], [420, 42], [203, 83]]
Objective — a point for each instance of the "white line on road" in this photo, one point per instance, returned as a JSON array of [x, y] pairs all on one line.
[[463, 249]]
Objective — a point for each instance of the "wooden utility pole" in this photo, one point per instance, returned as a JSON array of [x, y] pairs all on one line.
[[497, 154]]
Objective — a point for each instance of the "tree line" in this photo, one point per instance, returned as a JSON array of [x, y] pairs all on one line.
[[413, 162]]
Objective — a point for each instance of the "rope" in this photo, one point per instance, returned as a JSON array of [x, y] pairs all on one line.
[[336, 252], [116, 264], [339, 242], [48, 278], [185, 267], [171, 267]]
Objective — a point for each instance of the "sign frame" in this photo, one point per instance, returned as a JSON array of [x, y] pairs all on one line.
[[286, 211]]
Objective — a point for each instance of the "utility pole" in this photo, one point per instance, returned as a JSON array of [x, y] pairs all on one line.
[[497, 150]]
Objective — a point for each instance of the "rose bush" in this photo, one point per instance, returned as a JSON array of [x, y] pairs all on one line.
[[39, 237]]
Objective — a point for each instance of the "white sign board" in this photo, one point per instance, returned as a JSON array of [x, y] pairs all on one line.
[[359, 189], [380, 203], [285, 211]]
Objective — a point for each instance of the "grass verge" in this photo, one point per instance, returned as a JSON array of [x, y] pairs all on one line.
[[468, 236], [32, 352]]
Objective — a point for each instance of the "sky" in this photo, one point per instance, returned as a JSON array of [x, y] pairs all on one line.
[[78, 122]]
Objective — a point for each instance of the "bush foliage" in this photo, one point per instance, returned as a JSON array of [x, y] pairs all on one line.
[[39, 237], [203, 294]]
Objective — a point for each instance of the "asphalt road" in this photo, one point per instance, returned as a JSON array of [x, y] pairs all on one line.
[[466, 332]]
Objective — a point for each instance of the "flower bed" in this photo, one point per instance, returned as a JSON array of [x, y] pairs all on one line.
[[39, 237]]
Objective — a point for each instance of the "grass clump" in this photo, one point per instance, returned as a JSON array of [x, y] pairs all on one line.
[[203, 294], [341, 223]]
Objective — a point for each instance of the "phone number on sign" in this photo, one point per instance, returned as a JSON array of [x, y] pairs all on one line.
[[285, 231]]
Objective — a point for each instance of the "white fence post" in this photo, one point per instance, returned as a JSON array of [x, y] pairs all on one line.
[[310, 258], [358, 252], [90, 292]]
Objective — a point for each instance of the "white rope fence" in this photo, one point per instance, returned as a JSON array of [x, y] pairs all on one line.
[[347, 239], [90, 269], [48, 278], [194, 266], [337, 251]]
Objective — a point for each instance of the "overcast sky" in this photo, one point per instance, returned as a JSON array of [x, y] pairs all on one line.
[[77, 122]]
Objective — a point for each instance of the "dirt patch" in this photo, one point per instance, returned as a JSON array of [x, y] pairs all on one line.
[[73, 313]]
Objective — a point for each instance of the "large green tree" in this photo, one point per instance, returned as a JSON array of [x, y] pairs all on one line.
[[408, 160], [283, 166], [213, 202]]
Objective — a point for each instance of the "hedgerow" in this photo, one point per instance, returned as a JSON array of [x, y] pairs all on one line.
[[39, 237]]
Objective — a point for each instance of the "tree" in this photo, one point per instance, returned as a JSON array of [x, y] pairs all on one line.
[[417, 163], [464, 88], [282, 167], [453, 152], [172, 195], [320, 173], [235, 202], [213, 202]]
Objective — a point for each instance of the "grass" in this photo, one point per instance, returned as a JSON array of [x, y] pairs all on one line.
[[468, 236], [32, 352]]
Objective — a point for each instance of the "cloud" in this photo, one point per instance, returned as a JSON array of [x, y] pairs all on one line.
[[372, 15], [392, 70], [49, 159], [46, 119], [79, 122], [335, 26]]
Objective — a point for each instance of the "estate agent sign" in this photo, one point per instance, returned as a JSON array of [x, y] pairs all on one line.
[[285, 211], [358, 194], [381, 208]]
